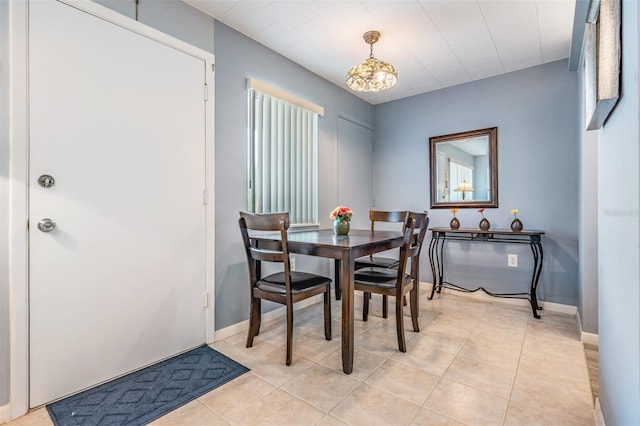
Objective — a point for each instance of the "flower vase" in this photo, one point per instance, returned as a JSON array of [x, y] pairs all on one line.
[[484, 224], [516, 225], [455, 223], [341, 227]]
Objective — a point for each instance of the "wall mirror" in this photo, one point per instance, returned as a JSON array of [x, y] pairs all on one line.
[[464, 169]]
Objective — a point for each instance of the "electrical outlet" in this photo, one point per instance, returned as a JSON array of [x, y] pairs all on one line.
[[512, 260], [292, 263]]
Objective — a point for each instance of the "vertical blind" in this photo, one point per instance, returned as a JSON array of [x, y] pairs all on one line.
[[283, 159]]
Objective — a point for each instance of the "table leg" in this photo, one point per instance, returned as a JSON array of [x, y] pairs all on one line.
[[536, 249], [436, 253], [346, 278], [338, 286]]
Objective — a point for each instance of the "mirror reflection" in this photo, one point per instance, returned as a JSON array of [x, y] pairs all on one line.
[[464, 169]]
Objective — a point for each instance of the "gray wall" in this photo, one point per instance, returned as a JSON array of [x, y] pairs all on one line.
[[239, 57], [535, 111], [618, 236]]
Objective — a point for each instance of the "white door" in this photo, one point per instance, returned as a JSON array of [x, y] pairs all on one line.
[[355, 170], [118, 120]]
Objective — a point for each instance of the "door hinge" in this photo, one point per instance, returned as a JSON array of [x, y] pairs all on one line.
[[206, 92], [205, 299], [213, 67], [205, 197]]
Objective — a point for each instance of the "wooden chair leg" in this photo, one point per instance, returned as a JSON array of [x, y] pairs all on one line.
[[289, 332], [254, 320], [365, 306], [402, 346], [413, 297], [385, 306], [327, 313]]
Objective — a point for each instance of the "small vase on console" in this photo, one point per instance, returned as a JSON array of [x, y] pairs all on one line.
[[455, 223], [484, 224]]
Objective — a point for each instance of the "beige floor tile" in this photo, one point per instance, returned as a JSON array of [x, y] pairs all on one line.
[[499, 332], [568, 349], [314, 346], [364, 362], [225, 400], [38, 417], [560, 370], [439, 340], [330, 421], [556, 399], [235, 348], [488, 377], [507, 315], [466, 404], [321, 386], [425, 357], [505, 354], [553, 325], [369, 405], [449, 324], [519, 414], [278, 408], [426, 417], [381, 344], [403, 380], [272, 368], [193, 413]]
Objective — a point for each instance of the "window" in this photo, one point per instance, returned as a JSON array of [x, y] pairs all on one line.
[[460, 173], [283, 154]]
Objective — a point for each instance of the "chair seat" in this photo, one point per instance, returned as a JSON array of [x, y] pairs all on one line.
[[382, 262], [381, 277], [300, 281]]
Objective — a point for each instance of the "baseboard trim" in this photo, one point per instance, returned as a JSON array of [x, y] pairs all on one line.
[[598, 417], [243, 326], [588, 338], [5, 413]]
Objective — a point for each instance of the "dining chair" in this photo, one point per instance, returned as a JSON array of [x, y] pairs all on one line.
[[398, 282], [285, 287], [382, 261]]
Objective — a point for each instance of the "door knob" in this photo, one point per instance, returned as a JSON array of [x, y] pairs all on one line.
[[46, 225]]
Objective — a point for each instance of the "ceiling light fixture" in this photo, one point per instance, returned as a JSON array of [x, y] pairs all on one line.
[[373, 75]]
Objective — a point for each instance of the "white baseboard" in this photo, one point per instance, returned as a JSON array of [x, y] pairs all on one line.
[[276, 313], [5, 413], [598, 417], [590, 338]]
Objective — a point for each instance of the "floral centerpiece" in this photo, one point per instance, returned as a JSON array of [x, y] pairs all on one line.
[[484, 223], [341, 217], [516, 224], [455, 223]]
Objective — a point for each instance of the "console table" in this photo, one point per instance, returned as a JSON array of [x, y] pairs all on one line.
[[436, 257]]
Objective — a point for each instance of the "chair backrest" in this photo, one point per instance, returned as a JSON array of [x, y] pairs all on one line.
[[412, 244], [279, 254], [383, 216]]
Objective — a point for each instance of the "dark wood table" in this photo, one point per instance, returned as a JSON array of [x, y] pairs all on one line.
[[344, 249]]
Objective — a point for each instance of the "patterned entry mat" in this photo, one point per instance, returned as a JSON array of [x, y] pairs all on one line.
[[145, 395]]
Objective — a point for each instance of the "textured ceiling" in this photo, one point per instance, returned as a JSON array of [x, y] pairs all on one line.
[[432, 43]]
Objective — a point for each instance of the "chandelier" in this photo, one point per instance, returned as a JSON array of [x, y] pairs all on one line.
[[373, 75]]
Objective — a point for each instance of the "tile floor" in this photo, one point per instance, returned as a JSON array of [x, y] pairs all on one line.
[[473, 363]]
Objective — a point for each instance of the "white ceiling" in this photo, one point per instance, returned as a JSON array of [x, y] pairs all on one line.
[[432, 43]]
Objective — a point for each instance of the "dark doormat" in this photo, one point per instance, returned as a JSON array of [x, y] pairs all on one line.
[[145, 395]]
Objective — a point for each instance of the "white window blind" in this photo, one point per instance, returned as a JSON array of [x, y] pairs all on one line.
[[283, 158], [459, 173]]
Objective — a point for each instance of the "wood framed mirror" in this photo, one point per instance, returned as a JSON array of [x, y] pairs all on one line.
[[464, 169]]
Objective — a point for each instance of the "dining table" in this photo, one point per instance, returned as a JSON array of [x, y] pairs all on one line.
[[344, 249]]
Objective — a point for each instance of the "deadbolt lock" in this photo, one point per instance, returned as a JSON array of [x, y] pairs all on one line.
[[46, 181]]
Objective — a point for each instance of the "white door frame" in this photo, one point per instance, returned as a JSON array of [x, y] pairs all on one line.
[[17, 193]]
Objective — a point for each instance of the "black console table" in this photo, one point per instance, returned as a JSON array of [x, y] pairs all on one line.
[[436, 257]]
